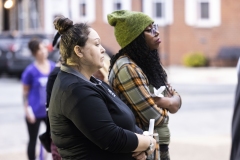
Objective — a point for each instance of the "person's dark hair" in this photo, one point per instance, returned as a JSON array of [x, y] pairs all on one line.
[[33, 45], [71, 35], [146, 59]]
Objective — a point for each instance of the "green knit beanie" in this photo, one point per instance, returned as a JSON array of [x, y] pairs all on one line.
[[128, 25]]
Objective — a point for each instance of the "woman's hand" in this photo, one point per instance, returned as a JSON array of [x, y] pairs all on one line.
[[149, 152], [27, 109], [172, 104], [162, 102], [139, 155], [31, 119], [30, 115], [170, 91], [142, 154], [144, 143]]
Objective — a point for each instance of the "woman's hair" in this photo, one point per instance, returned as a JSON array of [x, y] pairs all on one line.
[[71, 35], [56, 40], [33, 45], [146, 59]]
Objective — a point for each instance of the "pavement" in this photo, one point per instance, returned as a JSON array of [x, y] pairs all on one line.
[[196, 134], [202, 75], [209, 142]]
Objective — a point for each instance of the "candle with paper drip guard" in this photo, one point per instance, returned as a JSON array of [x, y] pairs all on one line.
[[150, 131], [151, 127]]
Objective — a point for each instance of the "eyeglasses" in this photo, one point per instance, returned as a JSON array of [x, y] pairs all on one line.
[[153, 30]]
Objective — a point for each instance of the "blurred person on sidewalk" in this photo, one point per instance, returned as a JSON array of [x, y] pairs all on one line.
[[34, 80], [235, 150], [87, 120], [135, 70]]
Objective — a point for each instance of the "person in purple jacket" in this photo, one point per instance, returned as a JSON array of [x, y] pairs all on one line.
[[34, 80]]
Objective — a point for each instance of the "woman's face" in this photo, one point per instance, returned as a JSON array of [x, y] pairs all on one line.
[[92, 52], [152, 36], [42, 52]]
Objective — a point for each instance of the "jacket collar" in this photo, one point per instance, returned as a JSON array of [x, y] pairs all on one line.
[[70, 70]]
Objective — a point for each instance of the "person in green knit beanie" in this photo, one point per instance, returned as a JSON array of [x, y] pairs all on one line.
[[135, 72]]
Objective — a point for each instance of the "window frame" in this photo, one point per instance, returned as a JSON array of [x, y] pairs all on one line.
[[200, 9], [193, 13], [90, 11], [81, 3], [115, 2], [167, 11], [108, 7], [163, 9]]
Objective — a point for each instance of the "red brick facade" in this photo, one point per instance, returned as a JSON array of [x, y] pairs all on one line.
[[178, 38]]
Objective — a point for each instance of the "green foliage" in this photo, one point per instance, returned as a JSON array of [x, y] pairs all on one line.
[[195, 59]]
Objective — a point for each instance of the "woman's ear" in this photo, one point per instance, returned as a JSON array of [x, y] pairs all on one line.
[[78, 51]]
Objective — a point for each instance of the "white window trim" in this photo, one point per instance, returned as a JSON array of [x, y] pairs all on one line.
[[90, 11], [50, 10], [168, 11], [192, 11], [108, 7]]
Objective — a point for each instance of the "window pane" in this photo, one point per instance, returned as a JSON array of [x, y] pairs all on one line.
[[204, 10], [158, 10], [117, 6], [83, 9]]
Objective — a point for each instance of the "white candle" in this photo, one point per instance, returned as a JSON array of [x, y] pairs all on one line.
[[151, 127]]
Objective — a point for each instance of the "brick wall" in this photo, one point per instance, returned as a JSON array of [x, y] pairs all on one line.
[[180, 39], [184, 39]]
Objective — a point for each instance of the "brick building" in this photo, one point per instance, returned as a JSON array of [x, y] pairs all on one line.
[[185, 25]]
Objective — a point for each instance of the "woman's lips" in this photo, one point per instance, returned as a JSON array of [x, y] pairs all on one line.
[[158, 40]]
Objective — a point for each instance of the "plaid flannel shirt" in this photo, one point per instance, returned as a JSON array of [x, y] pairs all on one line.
[[132, 86]]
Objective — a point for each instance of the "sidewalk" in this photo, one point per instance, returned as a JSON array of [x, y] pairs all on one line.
[[184, 146], [202, 75], [205, 148], [202, 147]]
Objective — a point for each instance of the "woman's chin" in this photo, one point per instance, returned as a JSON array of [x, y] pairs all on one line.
[[102, 65]]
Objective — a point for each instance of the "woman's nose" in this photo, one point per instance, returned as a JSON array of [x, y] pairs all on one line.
[[156, 33], [103, 50]]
